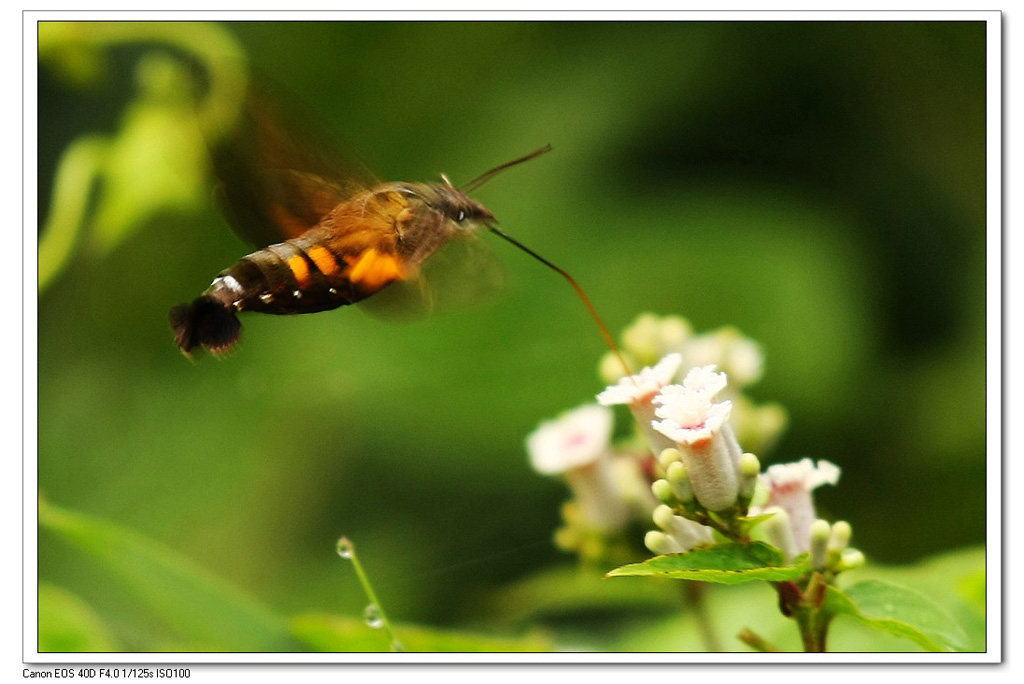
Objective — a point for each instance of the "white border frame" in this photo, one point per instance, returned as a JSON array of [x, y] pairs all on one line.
[[994, 366]]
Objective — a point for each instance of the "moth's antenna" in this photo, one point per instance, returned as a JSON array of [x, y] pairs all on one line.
[[488, 175], [572, 281]]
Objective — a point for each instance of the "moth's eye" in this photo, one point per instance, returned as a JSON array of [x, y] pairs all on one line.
[[462, 215]]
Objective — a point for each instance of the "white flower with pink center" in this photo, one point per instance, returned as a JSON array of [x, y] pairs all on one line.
[[689, 417], [699, 426], [642, 387], [789, 488], [575, 439], [638, 391], [576, 446]]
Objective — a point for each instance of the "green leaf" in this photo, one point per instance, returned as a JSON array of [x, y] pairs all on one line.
[[749, 522], [573, 590], [79, 167], [155, 163], [332, 633], [203, 610], [729, 563], [971, 588], [67, 624], [753, 605], [898, 611], [940, 579]]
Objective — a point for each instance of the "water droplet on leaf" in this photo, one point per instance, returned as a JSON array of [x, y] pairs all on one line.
[[373, 617], [344, 548]]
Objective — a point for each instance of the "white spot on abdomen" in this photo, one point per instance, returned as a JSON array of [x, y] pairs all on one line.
[[229, 282]]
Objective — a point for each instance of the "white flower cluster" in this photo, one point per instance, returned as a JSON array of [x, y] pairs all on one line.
[[650, 338], [691, 420], [693, 463]]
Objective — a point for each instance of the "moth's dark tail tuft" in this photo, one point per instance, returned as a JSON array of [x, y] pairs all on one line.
[[205, 323]]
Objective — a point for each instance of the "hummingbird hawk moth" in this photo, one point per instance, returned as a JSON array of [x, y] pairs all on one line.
[[327, 236]]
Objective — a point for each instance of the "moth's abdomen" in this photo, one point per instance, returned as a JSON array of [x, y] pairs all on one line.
[[304, 275], [286, 278], [205, 323], [281, 279], [350, 257]]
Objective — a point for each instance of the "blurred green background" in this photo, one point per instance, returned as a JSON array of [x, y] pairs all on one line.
[[821, 186]]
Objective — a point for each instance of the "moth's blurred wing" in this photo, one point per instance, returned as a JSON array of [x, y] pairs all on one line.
[[402, 301], [278, 172], [461, 274]]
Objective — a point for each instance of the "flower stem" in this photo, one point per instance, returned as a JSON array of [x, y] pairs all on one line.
[[813, 623], [347, 550], [805, 606], [757, 642], [693, 594]]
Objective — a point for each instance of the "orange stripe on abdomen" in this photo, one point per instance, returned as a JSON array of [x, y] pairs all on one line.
[[299, 269], [324, 260]]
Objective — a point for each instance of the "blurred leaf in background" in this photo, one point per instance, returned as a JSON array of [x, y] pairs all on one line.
[[819, 185], [156, 160]]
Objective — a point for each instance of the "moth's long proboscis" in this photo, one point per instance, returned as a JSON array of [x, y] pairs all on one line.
[[572, 281]]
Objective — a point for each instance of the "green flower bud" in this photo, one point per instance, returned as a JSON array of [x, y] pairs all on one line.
[[750, 468], [641, 338], [780, 531], [673, 332], [610, 367], [664, 518], [669, 456], [660, 543], [851, 558], [820, 532], [840, 539], [679, 478], [683, 533], [663, 491]]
